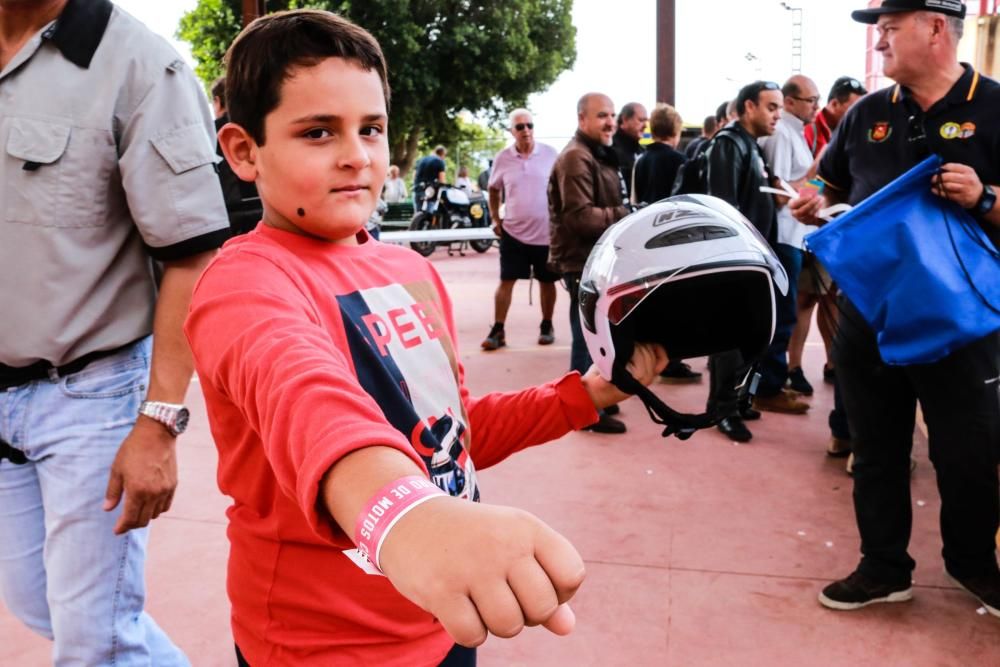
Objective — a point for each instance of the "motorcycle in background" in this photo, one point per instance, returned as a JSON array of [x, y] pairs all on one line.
[[446, 207]]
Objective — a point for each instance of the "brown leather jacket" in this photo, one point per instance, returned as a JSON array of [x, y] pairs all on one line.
[[585, 198]]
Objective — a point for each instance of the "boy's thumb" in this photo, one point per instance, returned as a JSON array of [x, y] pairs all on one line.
[[562, 621]]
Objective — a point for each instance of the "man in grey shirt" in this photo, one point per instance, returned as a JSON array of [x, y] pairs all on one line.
[[106, 165]]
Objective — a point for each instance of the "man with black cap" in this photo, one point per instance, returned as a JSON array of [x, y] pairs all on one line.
[[943, 107], [843, 94]]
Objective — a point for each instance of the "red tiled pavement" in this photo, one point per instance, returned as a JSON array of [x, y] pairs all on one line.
[[698, 552]]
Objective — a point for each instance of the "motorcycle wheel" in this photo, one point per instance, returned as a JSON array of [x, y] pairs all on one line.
[[421, 221], [481, 245]]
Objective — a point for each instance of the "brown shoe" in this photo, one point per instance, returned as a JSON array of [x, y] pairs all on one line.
[[839, 448], [781, 402]]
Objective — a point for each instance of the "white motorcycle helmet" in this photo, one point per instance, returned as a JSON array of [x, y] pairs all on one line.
[[689, 273]]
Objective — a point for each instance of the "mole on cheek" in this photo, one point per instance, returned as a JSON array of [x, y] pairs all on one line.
[[301, 212]]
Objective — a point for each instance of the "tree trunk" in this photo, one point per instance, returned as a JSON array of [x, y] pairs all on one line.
[[404, 152]]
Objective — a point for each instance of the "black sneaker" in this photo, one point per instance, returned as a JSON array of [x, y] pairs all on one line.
[[546, 336], [797, 381], [857, 591], [986, 589], [612, 410], [678, 371], [607, 424], [495, 339]]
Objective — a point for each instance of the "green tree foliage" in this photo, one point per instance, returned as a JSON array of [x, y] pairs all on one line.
[[445, 56]]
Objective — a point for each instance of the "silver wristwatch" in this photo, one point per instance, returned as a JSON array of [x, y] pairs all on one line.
[[172, 415]]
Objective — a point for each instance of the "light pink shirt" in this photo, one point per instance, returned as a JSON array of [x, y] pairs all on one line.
[[525, 181]]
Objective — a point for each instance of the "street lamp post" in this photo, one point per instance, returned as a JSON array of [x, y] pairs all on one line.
[[796, 37]]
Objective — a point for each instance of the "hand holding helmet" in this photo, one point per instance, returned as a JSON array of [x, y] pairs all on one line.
[[647, 362]]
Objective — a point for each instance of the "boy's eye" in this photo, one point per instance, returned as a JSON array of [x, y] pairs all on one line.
[[371, 131], [318, 133]]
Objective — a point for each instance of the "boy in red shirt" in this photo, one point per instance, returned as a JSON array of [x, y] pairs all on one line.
[[329, 369]]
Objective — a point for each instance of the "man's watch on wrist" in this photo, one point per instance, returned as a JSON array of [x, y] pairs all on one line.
[[172, 415], [986, 201]]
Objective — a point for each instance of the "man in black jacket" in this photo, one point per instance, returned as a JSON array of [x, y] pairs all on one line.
[[632, 121], [736, 171]]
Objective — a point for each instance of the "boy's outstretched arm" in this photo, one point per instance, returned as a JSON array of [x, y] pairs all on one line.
[[476, 568], [506, 423], [647, 362]]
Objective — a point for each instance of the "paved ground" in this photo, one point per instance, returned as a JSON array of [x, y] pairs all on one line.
[[698, 553]]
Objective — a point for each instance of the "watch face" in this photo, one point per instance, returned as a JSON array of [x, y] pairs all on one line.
[[181, 423], [988, 201]]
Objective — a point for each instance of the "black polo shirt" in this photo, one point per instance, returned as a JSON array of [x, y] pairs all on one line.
[[886, 133]]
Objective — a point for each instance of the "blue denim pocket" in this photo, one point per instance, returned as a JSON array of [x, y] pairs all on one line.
[[107, 378]]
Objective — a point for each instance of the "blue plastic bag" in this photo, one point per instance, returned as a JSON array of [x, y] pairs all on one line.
[[921, 271]]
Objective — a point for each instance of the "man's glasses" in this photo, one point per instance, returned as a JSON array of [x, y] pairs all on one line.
[[915, 129], [917, 135], [522, 126], [811, 100]]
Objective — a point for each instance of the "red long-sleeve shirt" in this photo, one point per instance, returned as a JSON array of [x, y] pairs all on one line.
[[307, 351]]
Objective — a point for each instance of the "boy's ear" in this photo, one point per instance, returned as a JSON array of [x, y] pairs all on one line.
[[240, 150]]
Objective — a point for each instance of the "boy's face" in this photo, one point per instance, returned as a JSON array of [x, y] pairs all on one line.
[[326, 152]]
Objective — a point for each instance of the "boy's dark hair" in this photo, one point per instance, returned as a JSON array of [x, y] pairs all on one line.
[[219, 90], [751, 93], [261, 58]]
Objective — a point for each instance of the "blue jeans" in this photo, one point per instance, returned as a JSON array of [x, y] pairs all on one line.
[[579, 356], [774, 365], [63, 571]]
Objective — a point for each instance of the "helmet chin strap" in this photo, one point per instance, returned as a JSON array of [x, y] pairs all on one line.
[[680, 424]]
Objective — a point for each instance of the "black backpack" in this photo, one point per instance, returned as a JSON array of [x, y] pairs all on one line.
[[692, 177]]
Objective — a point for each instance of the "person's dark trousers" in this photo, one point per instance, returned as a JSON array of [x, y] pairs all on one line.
[[579, 356], [960, 399], [839, 427], [774, 366], [838, 421], [458, 656], [726, 371]]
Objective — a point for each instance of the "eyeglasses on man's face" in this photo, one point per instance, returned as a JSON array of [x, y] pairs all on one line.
[[520, 127], [809, 100]]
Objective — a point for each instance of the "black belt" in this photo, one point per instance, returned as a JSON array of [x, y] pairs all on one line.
[[16, 456], [11, 376]]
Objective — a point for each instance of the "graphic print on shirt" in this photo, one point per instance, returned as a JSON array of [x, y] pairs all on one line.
[[405, 360]]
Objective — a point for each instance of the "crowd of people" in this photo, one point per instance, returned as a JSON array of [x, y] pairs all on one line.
[[327, 359]]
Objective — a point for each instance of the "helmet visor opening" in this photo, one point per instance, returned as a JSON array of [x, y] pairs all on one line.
[[702, 313]]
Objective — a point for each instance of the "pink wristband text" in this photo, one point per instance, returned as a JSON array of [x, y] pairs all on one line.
[[386, 508]]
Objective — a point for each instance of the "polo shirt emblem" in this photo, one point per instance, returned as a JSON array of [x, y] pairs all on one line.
[[879, 132], [951, 131]]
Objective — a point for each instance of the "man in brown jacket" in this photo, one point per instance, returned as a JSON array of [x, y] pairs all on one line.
[[587, 195]]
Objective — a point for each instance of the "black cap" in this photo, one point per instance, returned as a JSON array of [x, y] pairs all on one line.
[[846, 85], [954, 8]]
